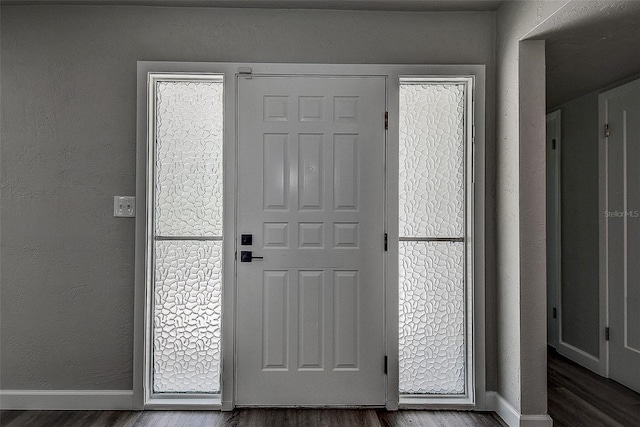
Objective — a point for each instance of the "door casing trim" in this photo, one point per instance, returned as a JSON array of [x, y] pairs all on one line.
[[476, 399], [554, 324]]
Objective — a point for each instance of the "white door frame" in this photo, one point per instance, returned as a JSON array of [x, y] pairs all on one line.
[[554, 287], [603, 366], [554, 318], [225, 401]]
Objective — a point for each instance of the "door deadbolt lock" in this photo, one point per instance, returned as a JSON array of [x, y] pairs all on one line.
[[246, 239], [247, 256]]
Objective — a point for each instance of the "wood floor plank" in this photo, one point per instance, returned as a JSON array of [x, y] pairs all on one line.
[[8, 416], [90, 418], [609, 397], [303, 417], [181, 418], [68, 418], [37, 418], [567, 409], [408, 418], [582, 380], [118, 418]]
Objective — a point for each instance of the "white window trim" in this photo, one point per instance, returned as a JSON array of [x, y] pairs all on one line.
[[467, 399], [151, 398], [225, 401]]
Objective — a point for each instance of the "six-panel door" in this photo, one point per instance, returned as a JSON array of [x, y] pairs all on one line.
[[310, 313]]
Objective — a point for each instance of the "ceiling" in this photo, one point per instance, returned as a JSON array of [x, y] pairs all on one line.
[[593, 53], [395, 5], [590, 44]]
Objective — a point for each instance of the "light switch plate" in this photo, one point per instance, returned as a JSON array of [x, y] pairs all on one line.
[[124, 206]]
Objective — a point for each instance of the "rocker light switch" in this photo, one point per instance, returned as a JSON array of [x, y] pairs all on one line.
[[124, 206]]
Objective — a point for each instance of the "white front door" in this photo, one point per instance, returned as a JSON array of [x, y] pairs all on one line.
[[310, 312], [622, 114]]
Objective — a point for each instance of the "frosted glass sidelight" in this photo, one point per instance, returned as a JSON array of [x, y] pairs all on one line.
[[188, 158], [432, 318], [432, 134], [187, 316]]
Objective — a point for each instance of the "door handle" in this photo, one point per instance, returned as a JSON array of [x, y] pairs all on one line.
[[247, 256]]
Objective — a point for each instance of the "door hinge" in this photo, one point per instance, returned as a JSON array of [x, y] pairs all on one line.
[[555, 313], [606, 333], [607, 132], [386, 362], [386, 120], [245, 71], [386, 242], [553, 144]]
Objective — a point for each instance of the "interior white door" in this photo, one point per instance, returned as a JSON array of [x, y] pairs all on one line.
[[310, 313], [622, 109]]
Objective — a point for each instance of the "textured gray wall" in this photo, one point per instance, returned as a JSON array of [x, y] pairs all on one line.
[[579, 224], [520, 203], [68, 145]]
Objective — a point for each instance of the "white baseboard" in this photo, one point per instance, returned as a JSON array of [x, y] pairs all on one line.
[[84, 400], [500, 406], [511, 416], [78, 400], [536, 421], [579, 356], [391, 405]]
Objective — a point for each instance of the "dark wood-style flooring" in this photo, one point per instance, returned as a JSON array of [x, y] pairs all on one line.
[[577, 397], [249, 418]]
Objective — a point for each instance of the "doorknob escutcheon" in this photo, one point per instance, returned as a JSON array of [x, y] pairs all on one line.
[[247, 256]]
